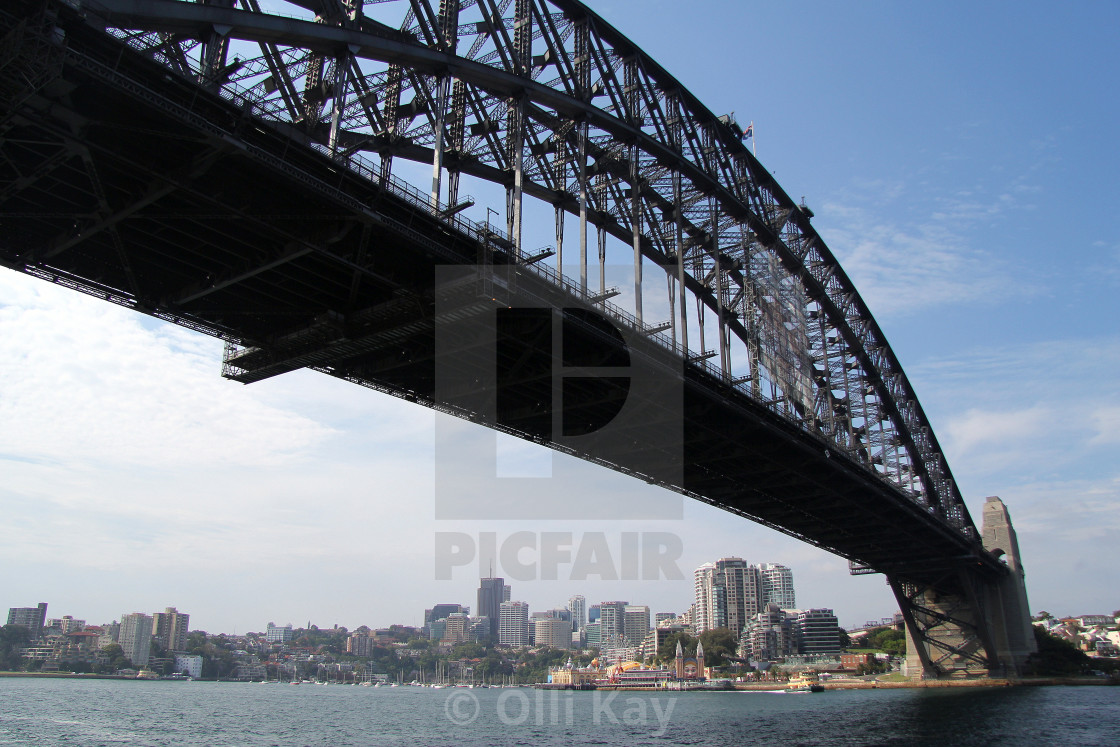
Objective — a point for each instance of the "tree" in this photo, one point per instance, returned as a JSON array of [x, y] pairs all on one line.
[[667, 651], [117, 660], [890, 640], [845, 639], [719, 644], [12, 639], [1056, 656]]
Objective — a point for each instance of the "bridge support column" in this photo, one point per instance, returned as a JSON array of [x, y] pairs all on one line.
[[968, 624], [1007, 598]]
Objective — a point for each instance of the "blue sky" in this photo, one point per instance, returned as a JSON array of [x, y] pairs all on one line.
[[961, 162]]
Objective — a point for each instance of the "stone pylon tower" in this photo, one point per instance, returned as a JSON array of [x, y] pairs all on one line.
[[1007, 606], [967, 623]]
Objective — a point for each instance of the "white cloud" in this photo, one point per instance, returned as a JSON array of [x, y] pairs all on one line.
[[911, 251], [985, 428], [908, 270], [59, 350]]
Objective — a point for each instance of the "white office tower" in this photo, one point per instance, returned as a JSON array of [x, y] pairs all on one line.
[[577, 605], [513, 629], [136, 637], [777, 585]]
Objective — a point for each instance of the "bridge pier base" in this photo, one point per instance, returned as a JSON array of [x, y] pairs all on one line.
[[966, 625]]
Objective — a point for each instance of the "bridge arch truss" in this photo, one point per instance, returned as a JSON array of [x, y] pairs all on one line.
[[547, 100]]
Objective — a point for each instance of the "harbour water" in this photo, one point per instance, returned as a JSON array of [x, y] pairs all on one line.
[[107, 712]]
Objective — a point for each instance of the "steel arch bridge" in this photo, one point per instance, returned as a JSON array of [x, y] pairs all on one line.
[[228, 166]]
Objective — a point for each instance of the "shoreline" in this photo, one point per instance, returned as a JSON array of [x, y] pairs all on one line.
[[732, 687], [876, 685]]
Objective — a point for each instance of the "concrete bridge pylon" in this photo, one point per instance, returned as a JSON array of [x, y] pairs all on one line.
[[970, 624]]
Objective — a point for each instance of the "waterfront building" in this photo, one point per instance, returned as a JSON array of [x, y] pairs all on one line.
[[189, 665], [690, 667], [513, 626], [276, 634], [577, 605], [136, 638], [32, 618], [855, 661], [817, 632], [169, 629]]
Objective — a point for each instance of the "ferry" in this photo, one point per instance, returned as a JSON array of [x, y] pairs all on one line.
[[804, 682]]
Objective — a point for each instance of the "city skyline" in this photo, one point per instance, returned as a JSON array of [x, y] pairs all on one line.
[[133, 474]]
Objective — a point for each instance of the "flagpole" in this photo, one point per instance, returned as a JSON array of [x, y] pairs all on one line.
[[754, 141]]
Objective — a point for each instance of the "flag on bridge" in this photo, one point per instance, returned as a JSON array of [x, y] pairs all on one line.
[[749, 132]]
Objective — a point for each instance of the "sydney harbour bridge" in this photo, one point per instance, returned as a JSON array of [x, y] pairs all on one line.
[[228, 166]]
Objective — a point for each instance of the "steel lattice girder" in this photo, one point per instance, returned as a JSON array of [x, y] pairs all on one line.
[[660, 170]]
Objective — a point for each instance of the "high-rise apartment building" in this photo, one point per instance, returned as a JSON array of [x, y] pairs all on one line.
[[577, 605], [169, 629], [136, 637], [513, 628], [777, 585], [727, 595], [730, 593], [32, 618], [276, 634], [769, 635]]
